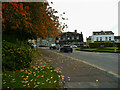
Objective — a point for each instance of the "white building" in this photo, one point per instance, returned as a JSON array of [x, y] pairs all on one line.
[[103, 36]]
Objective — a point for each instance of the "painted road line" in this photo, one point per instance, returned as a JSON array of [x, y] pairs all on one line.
[[107, 71]]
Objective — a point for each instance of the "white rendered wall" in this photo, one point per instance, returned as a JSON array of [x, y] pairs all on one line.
[[94, 37]]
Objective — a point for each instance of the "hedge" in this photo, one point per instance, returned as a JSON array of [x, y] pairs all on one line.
[[15, 57], [118, 45], [98, 44]]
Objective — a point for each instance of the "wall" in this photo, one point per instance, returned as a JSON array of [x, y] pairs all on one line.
[[103, 37]]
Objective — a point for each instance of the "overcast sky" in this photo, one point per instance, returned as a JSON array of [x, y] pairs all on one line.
[[88, 15]]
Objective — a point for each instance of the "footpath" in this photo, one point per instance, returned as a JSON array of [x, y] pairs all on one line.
[[77, 74]]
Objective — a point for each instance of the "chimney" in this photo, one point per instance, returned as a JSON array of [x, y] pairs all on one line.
[[76, 31], [81, 32], [101, 30]]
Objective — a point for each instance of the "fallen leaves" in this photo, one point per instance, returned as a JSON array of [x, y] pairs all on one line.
[[26, 72], [28, 86], [32, 82], [74, 68], [42, 76], [20, 81], [38, 76], [55, 81], [13, 81], [51, 77], [96, 80], [24, 78], [38, 82]]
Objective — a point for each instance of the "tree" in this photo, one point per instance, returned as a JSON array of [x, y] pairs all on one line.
[[16, 19], [30, 20]]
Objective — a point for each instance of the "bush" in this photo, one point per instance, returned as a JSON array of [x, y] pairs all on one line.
[[97, 44], [15, 57], [118, 45]]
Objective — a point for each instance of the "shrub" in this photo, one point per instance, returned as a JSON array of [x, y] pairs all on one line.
[[118, 45], [15, 57]]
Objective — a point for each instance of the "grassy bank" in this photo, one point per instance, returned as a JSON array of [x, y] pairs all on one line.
[[32, 77], [103, 49], [26, 68], [35, 76]]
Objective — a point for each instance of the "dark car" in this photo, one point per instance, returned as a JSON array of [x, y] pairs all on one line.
[[42, 45], [66, 48]]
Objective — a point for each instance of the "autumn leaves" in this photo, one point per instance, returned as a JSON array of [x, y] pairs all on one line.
[[37, 19]]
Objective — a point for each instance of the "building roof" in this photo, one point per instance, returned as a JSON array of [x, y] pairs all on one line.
[[71, 33], [103, 33]]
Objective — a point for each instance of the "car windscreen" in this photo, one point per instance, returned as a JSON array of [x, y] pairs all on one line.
[[53, 44]]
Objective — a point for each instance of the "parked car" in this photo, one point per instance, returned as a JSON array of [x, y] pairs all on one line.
[[74, 46], [42, 45], [78, 45], [53, 46], [66, 48], [34, 45]]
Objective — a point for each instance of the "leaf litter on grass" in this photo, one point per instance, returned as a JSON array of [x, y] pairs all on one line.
[[37, 76]]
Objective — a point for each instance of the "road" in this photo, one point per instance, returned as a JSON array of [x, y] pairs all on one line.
[[108, 61], [78, 74]]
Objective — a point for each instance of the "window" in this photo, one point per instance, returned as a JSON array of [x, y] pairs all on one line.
[[105, 38], [100, 38], [97, 39], [72, 38], [77, 37], [109, 38], [68, 38], [63, 38]]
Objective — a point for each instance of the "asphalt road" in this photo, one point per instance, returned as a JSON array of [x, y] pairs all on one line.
[[108, 61], [78, 74]]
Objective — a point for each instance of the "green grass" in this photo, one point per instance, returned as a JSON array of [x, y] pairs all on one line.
[[39, 76], [33, 77], [107, 49], [110, 47]]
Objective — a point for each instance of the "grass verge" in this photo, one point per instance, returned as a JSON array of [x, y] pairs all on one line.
[[36, 76], [33, 77], [104, 49]]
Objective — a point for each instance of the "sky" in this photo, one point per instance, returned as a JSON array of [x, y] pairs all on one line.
[[87, 16]]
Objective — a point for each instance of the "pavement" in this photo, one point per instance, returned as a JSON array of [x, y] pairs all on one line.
[[78, 74]]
